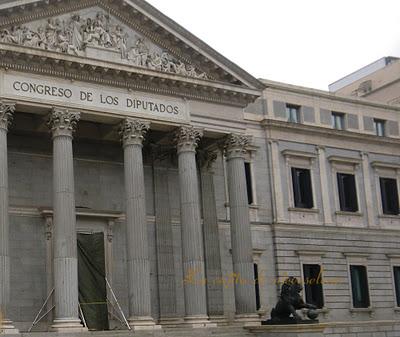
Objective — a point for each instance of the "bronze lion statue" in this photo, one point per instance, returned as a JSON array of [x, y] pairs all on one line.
[[289, 302]]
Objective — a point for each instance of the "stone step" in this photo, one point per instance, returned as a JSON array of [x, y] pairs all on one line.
[[172, 332]]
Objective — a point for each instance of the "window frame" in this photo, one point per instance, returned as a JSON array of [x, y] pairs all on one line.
[[382, 198], [345, 165], [289, 107], [389, 171], [341, 190], [359, 259], [311, 257], [394, 262], [377, 122], [296, 190], [342, 116]]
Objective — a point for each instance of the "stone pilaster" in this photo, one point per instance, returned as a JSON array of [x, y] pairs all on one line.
[[62, 123], [212, 254], [187, 139], [324, 185], [6, 114], [165, 246], [133, 132], [242, 254]]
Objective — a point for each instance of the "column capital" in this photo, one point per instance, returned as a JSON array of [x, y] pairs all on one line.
[[236, 145], [62, 122], [6, 114], [187, 138], [206, 159], [132, 131]]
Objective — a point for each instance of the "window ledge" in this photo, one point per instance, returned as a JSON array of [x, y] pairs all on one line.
[[397, 309], [254, 206], [369, 310], [389, 216], [348, 213], [303, 210]]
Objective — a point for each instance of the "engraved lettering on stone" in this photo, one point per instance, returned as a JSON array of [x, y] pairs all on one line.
[[77, 33]]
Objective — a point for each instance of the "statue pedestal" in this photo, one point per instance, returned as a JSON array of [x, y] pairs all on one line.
[[292, 330]]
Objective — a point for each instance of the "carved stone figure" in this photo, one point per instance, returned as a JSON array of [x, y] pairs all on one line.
[[75, 34], [290, 300]]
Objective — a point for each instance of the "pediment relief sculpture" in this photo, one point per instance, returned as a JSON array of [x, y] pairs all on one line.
[[94, 33]]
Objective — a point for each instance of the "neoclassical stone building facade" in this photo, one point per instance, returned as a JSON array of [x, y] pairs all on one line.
[[147, 181]]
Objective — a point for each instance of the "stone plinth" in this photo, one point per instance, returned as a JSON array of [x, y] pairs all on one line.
[[293, 330]]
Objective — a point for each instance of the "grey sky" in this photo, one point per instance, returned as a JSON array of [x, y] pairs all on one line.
[[304, 42]]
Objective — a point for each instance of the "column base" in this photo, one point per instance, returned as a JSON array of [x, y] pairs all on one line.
[[143, 323], [171, 322], [219, 319], [247, 319], [198, 322], [68, 325], [7, 328]]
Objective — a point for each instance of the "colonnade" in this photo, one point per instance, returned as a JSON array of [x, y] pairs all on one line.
[[62, 123]]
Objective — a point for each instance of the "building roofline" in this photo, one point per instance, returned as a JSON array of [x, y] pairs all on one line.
[[326, 94], [361, 73]]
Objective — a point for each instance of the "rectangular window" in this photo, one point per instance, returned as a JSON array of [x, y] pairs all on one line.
[[396, 275], [313, 284], [379, 126], [389, 195], [338, 120], [249, 183], [257, 286], [359, 286], [302, 189], [347, 192], [293, 113]]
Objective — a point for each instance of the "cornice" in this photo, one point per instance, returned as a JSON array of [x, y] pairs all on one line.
[[326, 132], [139, 15], [25, 59], [325, 94]]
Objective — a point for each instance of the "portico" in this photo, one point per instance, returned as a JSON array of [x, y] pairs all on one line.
[[131, 112]]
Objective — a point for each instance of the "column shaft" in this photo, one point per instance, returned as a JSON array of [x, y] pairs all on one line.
[[212, 254], [165, 246], [242, 252], [192, 236], [133, 132], [6, 111], [62, 123]]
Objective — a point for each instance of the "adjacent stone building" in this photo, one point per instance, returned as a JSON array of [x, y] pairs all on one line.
[[143, 176]]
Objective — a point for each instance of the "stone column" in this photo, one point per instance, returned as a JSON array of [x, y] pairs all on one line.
[[242, 251], [6, 114], [133, 132], [62, 123], [212, 254], [165, 245], [187, 139]]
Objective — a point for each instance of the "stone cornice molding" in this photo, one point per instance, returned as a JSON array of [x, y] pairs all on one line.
[[312, 130], [133, 131], [73, 67], [236, 145], [6, 114], [63, 122], [187, 138]]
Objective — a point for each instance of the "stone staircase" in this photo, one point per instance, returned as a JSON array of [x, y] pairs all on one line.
[[225, 331]]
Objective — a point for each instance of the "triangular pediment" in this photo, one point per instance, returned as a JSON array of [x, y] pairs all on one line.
[[96, 34], [124, 36]]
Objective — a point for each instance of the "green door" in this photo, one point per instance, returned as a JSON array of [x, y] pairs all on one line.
[[92, 283]]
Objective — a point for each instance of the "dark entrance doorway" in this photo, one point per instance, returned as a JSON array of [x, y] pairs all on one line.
[[91, 278]]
